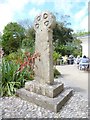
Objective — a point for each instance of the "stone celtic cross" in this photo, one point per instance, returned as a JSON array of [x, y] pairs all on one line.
[[43, 25], [43, 90]]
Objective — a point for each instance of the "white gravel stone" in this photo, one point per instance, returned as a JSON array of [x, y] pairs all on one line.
[[14, 107]]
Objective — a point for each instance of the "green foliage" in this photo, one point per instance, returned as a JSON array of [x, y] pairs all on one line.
[[64, 41], [0, 40], [16, 41], [28, 45], [30, 33], [62, 49], [82, 33], [56, 73], [16, 57], [12, 37], [62, 34], [12, 57], [74, 47], [56, 56], [11, 78], [77, 48], [29, 42]]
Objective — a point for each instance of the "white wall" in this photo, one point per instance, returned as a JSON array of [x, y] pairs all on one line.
[[85, 45]]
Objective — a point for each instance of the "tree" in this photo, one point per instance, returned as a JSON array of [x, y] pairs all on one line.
[[77, 47], [29, 42], [0, 39], [61, 35], [26, 23], [64, 19], [74, 47], [12, 37], [81, 33], [65, 42]]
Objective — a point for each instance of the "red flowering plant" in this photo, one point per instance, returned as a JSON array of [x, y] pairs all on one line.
[[14, 75], [28, 65]]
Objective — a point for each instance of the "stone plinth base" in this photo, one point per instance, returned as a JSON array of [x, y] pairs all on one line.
[[51, 97], [45, 89], [53, 104]]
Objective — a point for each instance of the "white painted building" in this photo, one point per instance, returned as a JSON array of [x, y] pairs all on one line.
[[85, 45]]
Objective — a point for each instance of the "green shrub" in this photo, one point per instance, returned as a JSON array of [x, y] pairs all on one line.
[[13, 79], [15, 56], [55, 57], [28, 45], [8, 83], [56, 73], [12, 37], [15, 75]]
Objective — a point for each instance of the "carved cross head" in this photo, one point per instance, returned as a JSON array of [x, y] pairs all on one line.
[[44, 20]]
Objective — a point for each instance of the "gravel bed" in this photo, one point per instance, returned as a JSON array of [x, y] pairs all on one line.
[[14, 107]]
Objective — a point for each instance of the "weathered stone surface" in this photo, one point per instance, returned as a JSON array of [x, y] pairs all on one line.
[[43, 45], [53, 104], [47, 90], [44, 91]]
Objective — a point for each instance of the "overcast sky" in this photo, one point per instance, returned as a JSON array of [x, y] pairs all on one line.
[[17, 10]]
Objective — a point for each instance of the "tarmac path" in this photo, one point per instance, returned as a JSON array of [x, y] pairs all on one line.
[[74, 78]]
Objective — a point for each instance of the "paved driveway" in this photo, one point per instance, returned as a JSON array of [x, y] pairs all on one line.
[[74, 78]]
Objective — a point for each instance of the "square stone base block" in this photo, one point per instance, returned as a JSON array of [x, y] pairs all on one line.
[[45, 89], [53, 104]]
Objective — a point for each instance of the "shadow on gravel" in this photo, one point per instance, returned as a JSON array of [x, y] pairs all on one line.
[[77, 89]]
